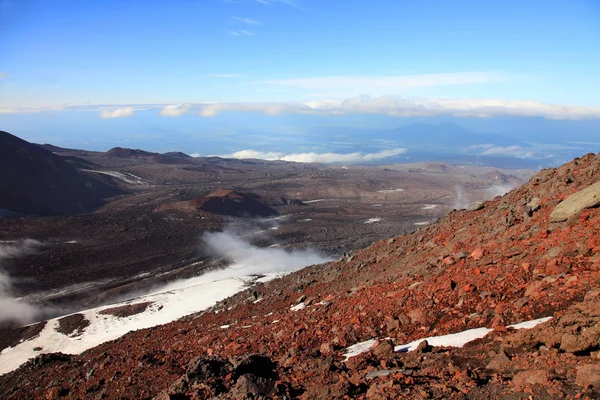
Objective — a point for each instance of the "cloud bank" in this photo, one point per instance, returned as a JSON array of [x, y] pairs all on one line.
[[393, 106], [174, 110], [324, 158], [117, 113], [407, 107]]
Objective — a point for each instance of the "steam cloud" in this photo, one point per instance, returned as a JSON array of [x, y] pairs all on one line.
[[462, 200], [12, 309], [248, 259], [499, 190]]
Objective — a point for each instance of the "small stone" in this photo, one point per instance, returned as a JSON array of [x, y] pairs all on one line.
[[477, 254], [383, 349], [326, 348], [500, 362], [424, 347], [448, 260], [533, 288]]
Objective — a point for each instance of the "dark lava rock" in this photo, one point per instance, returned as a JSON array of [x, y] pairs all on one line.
[[256, 364], [72, 324], [127, 310], [202, 369], [250, 384]]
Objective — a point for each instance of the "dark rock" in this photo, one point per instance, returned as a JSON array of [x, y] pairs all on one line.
[[201, 368], [250, 384], [424, 347], [256, 364]]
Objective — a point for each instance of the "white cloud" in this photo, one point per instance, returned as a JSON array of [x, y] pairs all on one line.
[[117, 113], [325, 158], [411, 107], [394, 106], [248, 21], [174, 110], [241, 32], [366, 84]]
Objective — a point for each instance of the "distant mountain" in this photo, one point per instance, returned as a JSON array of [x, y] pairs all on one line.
[[34, 180], [225, 202], [121, 152]]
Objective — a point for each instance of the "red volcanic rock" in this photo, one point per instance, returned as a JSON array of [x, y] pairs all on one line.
[[477, 254], [224, 202], [531, 377], [588, 374]]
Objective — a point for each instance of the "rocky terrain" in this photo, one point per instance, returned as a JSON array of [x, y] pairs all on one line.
[[147, 236], [529, 254]]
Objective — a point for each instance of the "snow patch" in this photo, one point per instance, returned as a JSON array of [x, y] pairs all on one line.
[[358, 348], [123, 176], [429, 207], [390, 190], [298, 307], [452, 340], [372, 220], [313, 201]]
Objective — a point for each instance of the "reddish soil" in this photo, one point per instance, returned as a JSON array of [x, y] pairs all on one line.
[[502, 264]]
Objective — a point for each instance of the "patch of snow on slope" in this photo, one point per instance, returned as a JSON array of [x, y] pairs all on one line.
[[358, 348], [298, 307], [390, 190], [170, 303], [123, 176], [372, 220], [452, 340]]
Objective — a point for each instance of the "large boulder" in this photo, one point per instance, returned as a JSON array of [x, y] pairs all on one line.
[[577, 202]]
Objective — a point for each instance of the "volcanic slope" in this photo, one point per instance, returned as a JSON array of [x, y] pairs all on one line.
[[502, 264], [33, 180]]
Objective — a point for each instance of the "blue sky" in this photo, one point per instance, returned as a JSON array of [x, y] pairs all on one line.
[[80, 63]]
